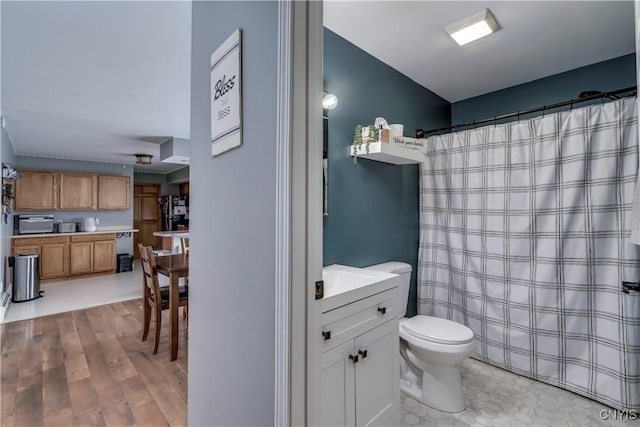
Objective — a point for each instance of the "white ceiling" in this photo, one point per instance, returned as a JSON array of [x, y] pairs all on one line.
[[537, 39], [105, 80], [96, 80]]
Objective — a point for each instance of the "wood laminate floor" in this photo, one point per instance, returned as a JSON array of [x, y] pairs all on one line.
[[90, 368]]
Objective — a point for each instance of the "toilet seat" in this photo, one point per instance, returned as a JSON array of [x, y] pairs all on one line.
[[437, 330]]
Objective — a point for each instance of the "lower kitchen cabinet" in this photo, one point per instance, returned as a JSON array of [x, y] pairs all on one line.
[[54, 260], [93, 253], [104, 255], [81, 258], [53, 251], [359, 372], [63, 256]]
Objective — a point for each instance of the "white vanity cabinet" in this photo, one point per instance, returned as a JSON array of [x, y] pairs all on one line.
[[359, 384]]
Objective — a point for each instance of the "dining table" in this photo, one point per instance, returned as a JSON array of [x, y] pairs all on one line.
[[174, 266]]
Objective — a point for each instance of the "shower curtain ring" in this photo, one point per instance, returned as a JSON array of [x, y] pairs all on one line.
[[544, 108], [571, 105], [495, 121]]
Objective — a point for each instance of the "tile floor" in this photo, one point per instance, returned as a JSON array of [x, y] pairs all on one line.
[[79, 293], [499, 398]]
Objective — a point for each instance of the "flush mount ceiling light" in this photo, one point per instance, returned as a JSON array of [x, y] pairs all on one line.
[[143, 159], [473, 27], [330, 101]]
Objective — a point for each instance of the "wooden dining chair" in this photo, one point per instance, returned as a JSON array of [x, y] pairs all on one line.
[[184, 243], [155, 298]]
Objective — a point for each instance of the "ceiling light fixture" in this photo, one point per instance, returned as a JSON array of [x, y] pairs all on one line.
[[329, 102], [473, 27], [143, 159]]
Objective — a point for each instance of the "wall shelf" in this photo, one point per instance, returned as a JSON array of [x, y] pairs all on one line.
[[399, 151]]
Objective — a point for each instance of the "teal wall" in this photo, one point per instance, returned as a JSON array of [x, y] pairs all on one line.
[[373, 206], [604, 76]]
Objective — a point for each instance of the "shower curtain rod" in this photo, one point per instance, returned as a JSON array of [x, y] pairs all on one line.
[[588, 96]]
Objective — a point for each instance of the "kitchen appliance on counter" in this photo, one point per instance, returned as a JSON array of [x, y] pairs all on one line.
[[33, 224], [175, 212], [89, 223], [67, 227]]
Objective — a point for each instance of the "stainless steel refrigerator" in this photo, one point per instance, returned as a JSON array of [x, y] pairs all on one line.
[[174, 211]]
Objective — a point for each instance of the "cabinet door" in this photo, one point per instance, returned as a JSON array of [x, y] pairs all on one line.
[[377, 380], [137, 208], [81, 258], [54, 260], [104, 255], [146, 234], [150, 211], [78, 191], [113, 192], [36, 191], [337, 394]]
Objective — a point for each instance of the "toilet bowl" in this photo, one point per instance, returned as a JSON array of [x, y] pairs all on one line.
[[432, 350]]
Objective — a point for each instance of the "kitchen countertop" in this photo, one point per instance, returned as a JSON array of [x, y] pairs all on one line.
[[180, 233], [98, 231]]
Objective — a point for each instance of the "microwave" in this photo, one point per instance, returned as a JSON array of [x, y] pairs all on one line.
[[33, 224]]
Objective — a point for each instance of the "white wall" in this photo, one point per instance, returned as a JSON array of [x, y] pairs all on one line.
[[232, 286]]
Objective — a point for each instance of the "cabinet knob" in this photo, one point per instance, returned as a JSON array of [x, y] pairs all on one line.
[[363, 353], [382, 310], [354, 358], [326, 335]]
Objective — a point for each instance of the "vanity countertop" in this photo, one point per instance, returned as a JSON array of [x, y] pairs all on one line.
[[344, 285]]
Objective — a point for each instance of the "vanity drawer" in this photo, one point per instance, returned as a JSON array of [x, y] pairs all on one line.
[[345, 323]]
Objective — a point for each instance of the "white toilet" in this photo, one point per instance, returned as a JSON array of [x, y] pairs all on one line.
[[431, 349]]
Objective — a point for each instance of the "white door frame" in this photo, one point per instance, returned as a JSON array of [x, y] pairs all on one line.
[[298, 210]]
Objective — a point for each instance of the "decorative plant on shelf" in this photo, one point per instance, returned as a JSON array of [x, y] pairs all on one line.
[[363, 135]]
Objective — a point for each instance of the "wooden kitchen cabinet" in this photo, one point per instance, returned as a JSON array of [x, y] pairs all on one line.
[[104, 255], [54, 260], [62, 256], [36, 191], [54, 254], [113, 192], [96, 253], [49, 191], [78, 191], [81, 258]]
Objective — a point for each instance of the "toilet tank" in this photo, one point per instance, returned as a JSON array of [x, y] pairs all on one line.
[[404, 271]]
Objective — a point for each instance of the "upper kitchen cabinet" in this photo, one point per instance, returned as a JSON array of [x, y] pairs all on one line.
[[78, 191], [37, 191], [113, 192], [68, 191]]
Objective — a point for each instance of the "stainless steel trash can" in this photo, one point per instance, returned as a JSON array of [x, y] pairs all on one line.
[[26, 280]]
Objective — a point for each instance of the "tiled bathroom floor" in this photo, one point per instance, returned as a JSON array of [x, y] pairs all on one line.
[[499, 398]]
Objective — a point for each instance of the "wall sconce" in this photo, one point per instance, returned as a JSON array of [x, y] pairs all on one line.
[[143, 159], [330, 101]]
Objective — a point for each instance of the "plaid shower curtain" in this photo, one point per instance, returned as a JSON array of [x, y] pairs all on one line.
[[523, 238]]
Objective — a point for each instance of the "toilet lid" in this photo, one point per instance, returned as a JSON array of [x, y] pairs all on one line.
[[438, 330]]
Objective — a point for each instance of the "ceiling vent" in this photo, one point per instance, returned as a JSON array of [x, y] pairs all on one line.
[[175, 150]]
